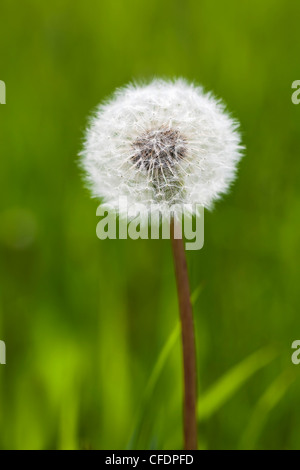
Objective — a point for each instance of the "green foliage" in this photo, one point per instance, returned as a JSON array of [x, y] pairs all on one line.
[[84, 321]]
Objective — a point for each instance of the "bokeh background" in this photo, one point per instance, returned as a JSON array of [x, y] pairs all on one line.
[[93, 354]]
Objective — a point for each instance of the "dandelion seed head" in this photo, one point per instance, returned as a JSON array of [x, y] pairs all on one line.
[[165, 143]]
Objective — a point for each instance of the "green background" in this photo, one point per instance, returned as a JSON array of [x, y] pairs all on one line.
[[86, 321]]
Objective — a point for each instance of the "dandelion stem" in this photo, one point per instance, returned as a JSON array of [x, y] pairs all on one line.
[[188, 341]]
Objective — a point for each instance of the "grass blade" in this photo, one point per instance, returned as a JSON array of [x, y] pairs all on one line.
[[272, 396], [213, 399], [157, 369]]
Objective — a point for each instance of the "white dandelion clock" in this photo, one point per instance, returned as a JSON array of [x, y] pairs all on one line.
[[161, 144], [164, 145]]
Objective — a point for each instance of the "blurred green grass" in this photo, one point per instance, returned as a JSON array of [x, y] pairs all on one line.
[[84, 321]]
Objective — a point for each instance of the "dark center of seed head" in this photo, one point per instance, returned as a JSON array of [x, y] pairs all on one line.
[[158, 150]]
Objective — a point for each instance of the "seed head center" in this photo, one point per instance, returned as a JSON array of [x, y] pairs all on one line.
[[159, 149]]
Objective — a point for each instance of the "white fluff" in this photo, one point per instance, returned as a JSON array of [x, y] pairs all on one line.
[[162, 143]]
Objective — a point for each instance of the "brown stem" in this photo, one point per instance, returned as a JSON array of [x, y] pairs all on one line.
[[188, 342]]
